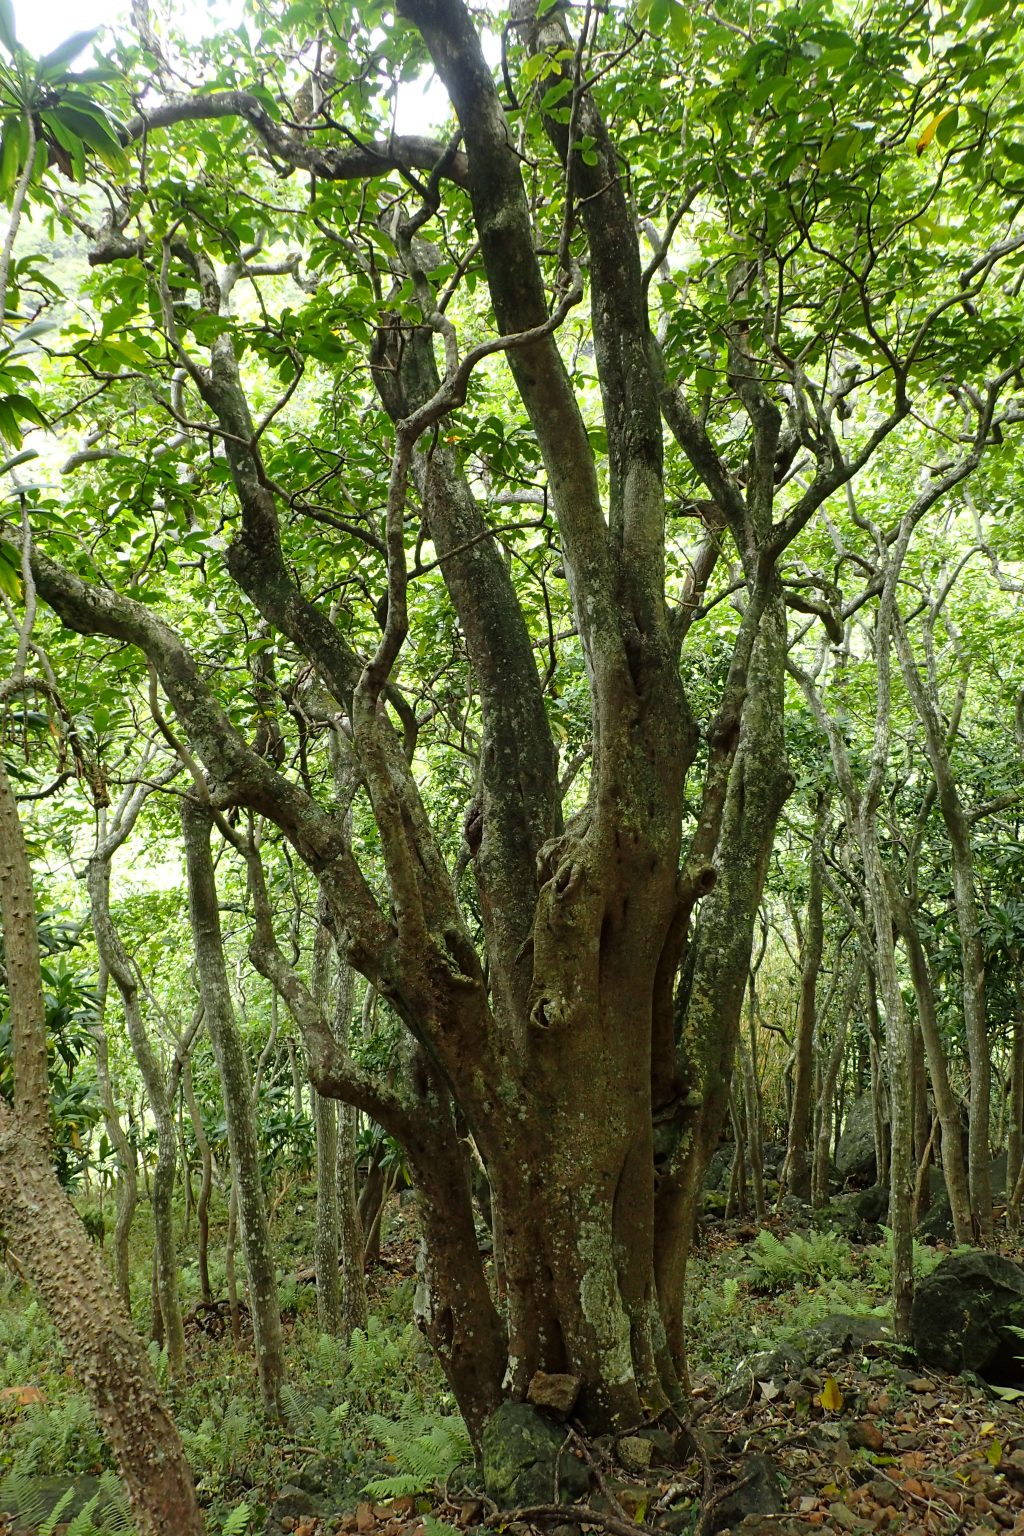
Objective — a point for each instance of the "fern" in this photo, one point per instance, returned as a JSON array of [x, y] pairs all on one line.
[[432, 1526], [105, 1514], [776, 1264], [20, 1491], [237, 1522], [425, 1447], [49, 1524]]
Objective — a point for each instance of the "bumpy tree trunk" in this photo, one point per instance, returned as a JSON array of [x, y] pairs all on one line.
[[236, 1086], [52, 1244]]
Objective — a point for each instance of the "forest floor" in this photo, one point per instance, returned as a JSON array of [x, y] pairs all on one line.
[[857, 1439]]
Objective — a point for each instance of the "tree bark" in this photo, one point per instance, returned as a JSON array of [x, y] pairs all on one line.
[[118, 963], [52, 1244], [236, 1086], [946, 1107], [821, 1181], [958, 828], [206, 1184], [797, 1161]]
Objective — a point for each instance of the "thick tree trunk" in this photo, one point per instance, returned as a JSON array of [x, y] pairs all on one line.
[[52, 1244], [236, 1087]]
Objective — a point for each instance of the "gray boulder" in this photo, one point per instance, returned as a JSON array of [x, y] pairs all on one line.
[[757, 1491], [528, 1460], [964, 1315], [855, 1154], [843, 1334]]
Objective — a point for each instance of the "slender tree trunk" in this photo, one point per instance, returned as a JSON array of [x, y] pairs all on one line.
[[924, 1135], [325, 1227], [52, 1244], [879, 1090], [821, 1183], [354, 1304], [979, 1149], [946, 1107], [230, 1273], [370, 1204], [206, 1186], [1015, 1131], [127, 1184], [797, 1162], [752, 1120], [898, 1053], [298, 1106], [119, 964], [236, 1086]]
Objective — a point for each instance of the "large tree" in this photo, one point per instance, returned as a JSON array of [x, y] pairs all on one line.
[[445, 450]]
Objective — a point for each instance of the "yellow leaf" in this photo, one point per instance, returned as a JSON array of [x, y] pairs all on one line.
[[994, 1453], [987, 1428], [831, 1398], [930, 131]]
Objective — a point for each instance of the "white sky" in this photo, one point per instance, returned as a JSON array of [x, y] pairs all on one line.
[[42, 24]]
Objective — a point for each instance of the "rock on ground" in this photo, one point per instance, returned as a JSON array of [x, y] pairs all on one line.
[[964, 1314]]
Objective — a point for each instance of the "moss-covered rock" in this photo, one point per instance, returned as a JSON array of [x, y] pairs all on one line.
[[527, 1460]]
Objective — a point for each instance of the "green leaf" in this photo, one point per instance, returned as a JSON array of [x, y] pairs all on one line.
[[947, 127], [52, 65], [10, 572], [7, 33], [10, 157], [97, 133]]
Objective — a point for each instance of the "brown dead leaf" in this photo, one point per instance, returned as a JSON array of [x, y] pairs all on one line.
[[22, 1397]]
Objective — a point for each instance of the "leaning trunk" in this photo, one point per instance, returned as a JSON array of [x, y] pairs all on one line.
[[51, 1242]]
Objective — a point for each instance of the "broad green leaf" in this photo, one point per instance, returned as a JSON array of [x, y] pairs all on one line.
[[52, 65], [7, 33]]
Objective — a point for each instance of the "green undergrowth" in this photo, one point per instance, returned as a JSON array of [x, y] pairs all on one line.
[[339, 1409], [775, 1288]]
